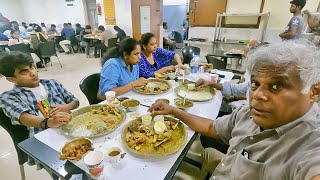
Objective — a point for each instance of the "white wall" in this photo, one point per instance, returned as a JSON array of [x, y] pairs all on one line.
[[175, 2], [53, 11], [12, 10], [123, 15]]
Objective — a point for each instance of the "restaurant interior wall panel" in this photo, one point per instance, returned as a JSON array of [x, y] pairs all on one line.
[[56, 11], [12, 9]]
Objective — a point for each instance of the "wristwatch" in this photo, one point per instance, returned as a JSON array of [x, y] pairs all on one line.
[[44, 124]]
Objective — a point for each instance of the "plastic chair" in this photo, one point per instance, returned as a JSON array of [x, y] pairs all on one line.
[[217, 63], [90, 86], [48, 49], [112, 42], [18, 134], [187, 53], [177, 37], [25, 49]]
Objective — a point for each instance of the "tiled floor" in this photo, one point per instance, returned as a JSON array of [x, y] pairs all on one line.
[[75, 67]]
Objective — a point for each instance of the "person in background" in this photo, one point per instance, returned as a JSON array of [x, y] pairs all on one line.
[[120, 70], [66, 34], [167, 37], [30, 28], [185, 27], [15, 38], [38, 38], [154, 59], [43, 27], [79, 29], [120, 33], [294, 27], [105, 35], [33, 102], [24, 24], [280, 126], [13, 26], [4, 20], [87, 31], [52, 30], [3, 37]]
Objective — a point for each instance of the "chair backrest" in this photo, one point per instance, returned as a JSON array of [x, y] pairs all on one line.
[[217, 63], [90, 86], [18, 134], [20, 47], [187, 53], [47, 49], [112, 42], [74, 41], [177, 37]]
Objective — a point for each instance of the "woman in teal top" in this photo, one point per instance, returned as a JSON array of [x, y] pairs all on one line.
[[120, 70]]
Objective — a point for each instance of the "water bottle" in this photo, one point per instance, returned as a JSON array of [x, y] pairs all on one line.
[[194, 63]]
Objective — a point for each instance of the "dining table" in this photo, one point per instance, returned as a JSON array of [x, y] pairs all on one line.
[[46, 145]]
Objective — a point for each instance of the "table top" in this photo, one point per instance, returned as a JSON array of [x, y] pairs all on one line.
[[221, 53], [4, 43], [131, 166]]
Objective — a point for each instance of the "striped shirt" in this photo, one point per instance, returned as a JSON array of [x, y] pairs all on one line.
[[20, 100]]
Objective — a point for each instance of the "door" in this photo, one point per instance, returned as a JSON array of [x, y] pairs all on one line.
[[204, 12], [155, 17]]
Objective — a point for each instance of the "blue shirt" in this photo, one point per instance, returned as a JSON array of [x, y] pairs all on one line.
[[162, 58], [115, 73], [19, 100], [67, 32]]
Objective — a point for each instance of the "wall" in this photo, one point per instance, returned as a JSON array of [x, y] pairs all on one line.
[[53, 12], [174, 2], [179, 14], [12, 10], [123, 15], [278, 20]]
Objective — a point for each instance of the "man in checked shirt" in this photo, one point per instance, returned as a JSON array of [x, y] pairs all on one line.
[[33, 102], [277, 135]]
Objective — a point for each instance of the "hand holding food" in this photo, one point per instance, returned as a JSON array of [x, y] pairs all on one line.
[[58, 118], [140, 82], [160, 108], [201, 83]]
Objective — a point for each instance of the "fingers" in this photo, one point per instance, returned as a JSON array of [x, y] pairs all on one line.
[[53, 111]]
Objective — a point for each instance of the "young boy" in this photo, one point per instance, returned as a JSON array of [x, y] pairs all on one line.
[[33, 102]]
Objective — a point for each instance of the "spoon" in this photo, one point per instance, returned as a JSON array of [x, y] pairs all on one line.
[[184, 100]]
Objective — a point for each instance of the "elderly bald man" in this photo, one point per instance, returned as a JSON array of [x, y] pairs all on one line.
[[276, 136]]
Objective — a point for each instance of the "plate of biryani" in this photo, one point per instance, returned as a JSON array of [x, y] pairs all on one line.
[[94, 120]]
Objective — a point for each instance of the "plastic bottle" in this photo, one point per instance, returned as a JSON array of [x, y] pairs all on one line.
[[194, 63]]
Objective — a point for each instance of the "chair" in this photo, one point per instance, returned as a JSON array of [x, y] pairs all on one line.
[[74, 43], [25, 49], [217, 63], [112, 42], [177, 37], [47, 49], [187, 53], [18, 134], [89, 85]]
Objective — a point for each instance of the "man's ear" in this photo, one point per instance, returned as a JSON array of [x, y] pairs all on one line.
[[315, 91], [11, 79]]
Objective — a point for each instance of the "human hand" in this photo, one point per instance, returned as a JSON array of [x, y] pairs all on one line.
[[160, 108], [59, 108], [181, 66], [202, 83], [170, 68], [58, 119], [140, 82]]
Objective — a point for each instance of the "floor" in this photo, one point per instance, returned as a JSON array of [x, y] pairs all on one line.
[[75, 67]]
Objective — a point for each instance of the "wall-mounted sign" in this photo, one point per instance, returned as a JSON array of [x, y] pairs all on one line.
[[109, 12]]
